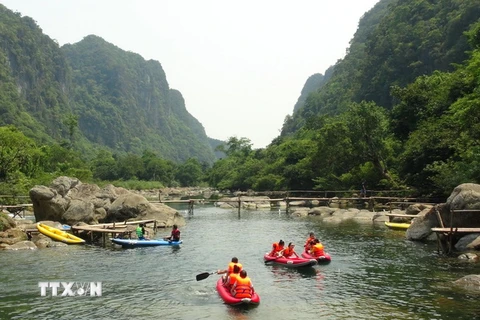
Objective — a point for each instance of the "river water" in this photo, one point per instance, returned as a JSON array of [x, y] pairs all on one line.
[[374, 274]]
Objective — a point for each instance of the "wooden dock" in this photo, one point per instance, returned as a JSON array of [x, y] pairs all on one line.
[[449, 233], [115, 229]]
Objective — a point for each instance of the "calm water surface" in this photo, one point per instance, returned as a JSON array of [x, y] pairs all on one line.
[[374, 274]]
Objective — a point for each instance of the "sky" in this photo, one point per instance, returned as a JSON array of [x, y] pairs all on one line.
[[240, 65]]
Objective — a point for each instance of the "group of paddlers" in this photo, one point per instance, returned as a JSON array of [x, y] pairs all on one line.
[[312, 246], [236, 280]]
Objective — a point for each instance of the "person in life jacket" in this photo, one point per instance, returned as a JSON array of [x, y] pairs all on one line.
[[175, 235], [232, 278], [289, 251], [141, 232], [230, 267], [317, 249], [277, 248], [309, 242], [242, 288]]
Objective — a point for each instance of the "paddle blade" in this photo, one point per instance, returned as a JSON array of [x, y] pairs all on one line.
[[202, 276]]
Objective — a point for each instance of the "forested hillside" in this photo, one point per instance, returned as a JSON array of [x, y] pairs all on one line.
[[399, 112], [396, 42], [91, 96], [34, 79]]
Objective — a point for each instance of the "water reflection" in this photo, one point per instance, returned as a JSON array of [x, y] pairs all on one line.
[[374, 274], [283, 273]]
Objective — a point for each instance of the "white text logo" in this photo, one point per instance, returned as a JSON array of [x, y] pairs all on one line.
[[70, 289]]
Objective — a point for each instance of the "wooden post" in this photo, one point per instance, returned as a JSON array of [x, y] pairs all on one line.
[[239, 205], [287, 208], [190, 206], [155, 225], [371, 204]]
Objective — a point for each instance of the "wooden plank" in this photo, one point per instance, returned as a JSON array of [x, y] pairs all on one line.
[[459, 230], [118, 224], [79, 228], [401, 215]]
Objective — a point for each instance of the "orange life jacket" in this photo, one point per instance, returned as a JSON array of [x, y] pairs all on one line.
[[308, 243], [242, 288], [232, 278], [288, 252], [317, 250], [231, 265], [276, 248]]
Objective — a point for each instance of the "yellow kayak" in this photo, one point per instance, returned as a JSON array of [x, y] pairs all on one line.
[[397, 226], [58, 234]]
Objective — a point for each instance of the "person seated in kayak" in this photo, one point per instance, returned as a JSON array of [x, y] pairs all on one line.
[[232, 278], [141, 233], [229, 269], [317, 249], [242, 288], [175, 235], [309, 242], [277, 248], [289, 251]]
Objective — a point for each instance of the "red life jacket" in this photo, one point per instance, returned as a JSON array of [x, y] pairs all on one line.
[[175, 235]]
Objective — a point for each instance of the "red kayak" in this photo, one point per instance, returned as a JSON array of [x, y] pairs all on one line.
[[292, 262], [321, 259], [227, 297]]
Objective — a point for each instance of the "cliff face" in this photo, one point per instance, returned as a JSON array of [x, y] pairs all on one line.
[[34, 79], [92, 92]]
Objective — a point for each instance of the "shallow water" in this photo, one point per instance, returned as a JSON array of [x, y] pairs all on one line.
[[374, 274]]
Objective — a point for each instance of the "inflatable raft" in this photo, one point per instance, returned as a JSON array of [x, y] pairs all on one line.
[[133, 243], [58, 234], [227, 297], [292, 262], [321, 259]]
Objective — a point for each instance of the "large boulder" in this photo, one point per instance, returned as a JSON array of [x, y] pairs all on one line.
[[464, 197], [421, 228], [70, 201]]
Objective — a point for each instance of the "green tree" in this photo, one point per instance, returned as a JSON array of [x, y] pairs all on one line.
[[189, 173], [17, 153]]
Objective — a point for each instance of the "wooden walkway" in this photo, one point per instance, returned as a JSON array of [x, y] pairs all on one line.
[[451, 232], [115, 229], [390, 201], [16, 210]]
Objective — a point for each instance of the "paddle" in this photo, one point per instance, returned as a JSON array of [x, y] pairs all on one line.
[[204, 275]]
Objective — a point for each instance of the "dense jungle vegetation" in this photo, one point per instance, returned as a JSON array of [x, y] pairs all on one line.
[[400, 111]]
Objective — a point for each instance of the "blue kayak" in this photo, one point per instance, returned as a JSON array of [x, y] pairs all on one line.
[[132, 243]]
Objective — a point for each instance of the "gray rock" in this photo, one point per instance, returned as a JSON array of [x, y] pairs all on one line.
[[22, 245], [468, 242], [471, 282], [70, 201]]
